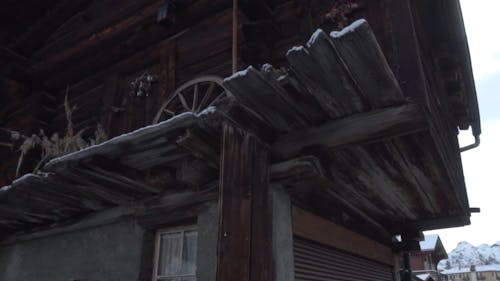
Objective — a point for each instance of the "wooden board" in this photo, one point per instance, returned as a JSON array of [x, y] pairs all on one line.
[[312, 227], [245, 230]]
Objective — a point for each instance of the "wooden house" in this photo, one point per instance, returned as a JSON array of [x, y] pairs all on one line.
[[425, 261], [338, 134]]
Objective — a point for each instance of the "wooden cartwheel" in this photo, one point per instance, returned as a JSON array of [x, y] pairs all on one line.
[[193, 96]]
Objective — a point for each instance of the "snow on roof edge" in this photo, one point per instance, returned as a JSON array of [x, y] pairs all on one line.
[[429, 243], [466, 269]]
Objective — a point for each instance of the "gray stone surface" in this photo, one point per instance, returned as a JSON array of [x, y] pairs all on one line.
[[282, 235], [208, 232], [105, 253]]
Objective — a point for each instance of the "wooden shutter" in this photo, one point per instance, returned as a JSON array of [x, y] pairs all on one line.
[[317, 262]]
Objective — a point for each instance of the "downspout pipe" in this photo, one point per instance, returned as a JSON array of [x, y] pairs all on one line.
[[476, 131], [406, 272], [471, 146]]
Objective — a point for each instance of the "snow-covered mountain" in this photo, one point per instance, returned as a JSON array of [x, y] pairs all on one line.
[[466, 254]]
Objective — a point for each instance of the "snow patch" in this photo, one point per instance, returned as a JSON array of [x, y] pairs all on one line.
[[315, 36], [348, 29], [481, 268], [429, 243], [423, 276], [295, 49], [237, 74], [207, 111], [5, 188], [22, 178]]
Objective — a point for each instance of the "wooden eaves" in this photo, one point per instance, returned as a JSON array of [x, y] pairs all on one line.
[[336, 129]]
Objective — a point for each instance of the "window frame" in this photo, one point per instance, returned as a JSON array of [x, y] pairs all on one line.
[[156, 258]]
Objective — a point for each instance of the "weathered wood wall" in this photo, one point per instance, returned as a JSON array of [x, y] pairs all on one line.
[[96, 52]]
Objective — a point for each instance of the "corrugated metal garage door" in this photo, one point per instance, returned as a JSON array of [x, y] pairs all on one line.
[[315, 262]]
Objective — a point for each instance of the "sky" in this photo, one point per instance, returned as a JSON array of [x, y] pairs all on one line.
[[481, 166]]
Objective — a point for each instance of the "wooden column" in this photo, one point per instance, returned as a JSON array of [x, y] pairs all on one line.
[[245, 252]]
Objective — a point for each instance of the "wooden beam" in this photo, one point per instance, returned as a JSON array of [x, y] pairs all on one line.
[[94, 188], [231, 109], [198, 145], [431, 223], [150, 214], [367, 64], [251, 89], [408, 63], [118, 173], [115, 147], [360, 128], [307, 174], [179, 207], [320, 68], [312, 227], [245, 221], [294, 93]]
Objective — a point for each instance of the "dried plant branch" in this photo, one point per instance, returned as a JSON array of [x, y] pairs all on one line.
[[55, 146]]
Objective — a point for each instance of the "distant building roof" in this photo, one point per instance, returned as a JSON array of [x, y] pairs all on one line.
[[466, 269], [424, 277], [429, 243]]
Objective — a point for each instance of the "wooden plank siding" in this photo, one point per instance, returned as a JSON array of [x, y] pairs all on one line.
[[363, 103], [86, 59]]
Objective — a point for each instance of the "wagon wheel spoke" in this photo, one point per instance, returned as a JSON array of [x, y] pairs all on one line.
[[206, 96], [195, 97], [169, 112], [219, 97], [192, 96], [183, 101]]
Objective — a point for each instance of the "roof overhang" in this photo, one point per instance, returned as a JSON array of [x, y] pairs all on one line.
[[344, 141]]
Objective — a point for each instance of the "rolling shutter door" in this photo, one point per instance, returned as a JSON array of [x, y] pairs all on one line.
[[316, 262]]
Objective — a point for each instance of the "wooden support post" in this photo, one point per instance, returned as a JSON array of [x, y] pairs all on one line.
[[245, 252]]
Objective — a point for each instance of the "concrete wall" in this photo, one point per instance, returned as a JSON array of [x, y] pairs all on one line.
[[105, 253], [282, 235], [106, 246], [208, 234]]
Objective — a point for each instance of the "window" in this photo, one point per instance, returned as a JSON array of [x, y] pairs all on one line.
[[175, 254], [427, 263]]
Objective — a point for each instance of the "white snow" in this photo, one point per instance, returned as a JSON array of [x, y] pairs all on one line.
[[466, 269], [238, 74], [423, 276], [348, 29], [209, 110], [466, 254], [315, 36], [22, 178], [295, 49], [429, 243], [5, 188]]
